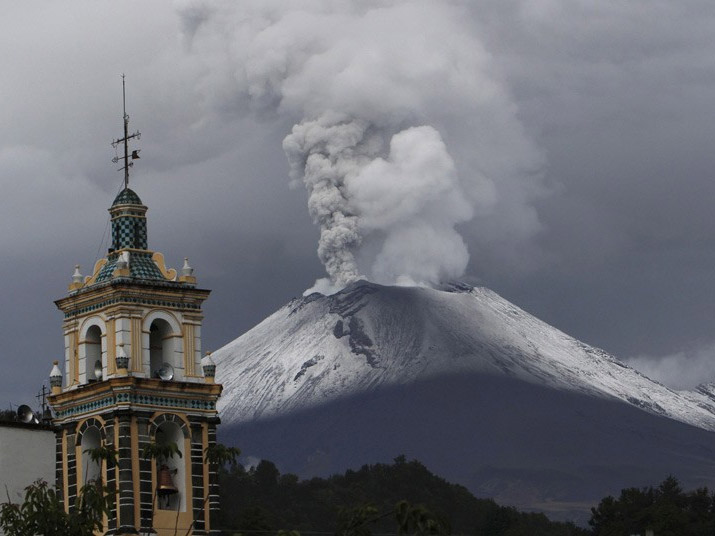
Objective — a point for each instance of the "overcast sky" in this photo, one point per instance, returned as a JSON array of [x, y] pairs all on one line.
[[580, 134]]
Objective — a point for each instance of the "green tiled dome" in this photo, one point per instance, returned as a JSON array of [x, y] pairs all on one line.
[[141, 267], [127, 197]]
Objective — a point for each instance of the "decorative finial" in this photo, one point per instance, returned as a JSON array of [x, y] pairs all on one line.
[[187, 270], [209, 368], [56, 378], [122, 266], [122, 360], [77, 279], [125, 140], [187, 273], [123, 260]]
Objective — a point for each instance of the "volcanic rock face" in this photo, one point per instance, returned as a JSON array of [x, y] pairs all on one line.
[[476, 388]]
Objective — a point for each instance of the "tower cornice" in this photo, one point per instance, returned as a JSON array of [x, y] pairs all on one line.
[[136, 394], [129, 292]]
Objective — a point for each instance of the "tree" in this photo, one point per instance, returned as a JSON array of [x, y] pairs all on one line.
[[667, 510], [42, 512], [220, 455]]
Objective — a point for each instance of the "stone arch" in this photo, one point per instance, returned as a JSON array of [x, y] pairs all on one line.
[[163, 314], [90, 434], [161, 418], [162, 342], [92, 348], [87, 323]]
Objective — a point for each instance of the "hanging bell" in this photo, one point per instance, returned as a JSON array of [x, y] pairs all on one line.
[[166, 484]]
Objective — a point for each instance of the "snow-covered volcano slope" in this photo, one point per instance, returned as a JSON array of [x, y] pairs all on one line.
[[319, 349]]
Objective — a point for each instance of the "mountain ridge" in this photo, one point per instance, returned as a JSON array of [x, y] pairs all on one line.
[[318, 348]]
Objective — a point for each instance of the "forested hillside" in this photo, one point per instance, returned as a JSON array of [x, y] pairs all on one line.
[[264, 500]]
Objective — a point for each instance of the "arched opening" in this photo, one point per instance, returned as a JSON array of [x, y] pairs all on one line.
[[93, 352], [167, 433], [161, 345], [91, 439]]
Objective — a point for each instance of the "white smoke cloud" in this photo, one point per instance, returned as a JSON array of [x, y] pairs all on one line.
[[414, 197], [682, 370], [378, 90]]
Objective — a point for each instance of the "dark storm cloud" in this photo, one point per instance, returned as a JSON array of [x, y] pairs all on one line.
[[616, 96], [619, 95]]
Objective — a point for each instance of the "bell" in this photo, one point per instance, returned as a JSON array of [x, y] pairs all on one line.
[[166, 484]]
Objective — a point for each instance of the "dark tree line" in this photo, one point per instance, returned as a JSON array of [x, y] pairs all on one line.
[[402, 498], [666, 510], [262, 499]]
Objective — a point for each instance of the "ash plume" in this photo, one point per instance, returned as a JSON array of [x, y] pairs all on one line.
[[377, 92]]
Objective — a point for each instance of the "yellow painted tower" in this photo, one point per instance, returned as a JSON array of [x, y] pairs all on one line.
[[134, 376]]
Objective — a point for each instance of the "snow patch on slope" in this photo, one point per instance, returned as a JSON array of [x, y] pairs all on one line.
[[320, 348]]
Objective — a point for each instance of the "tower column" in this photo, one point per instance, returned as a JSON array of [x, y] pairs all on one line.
[[146, 497], [213, 504], [71, 468], [199, 485], [112, 472], [125, 501]]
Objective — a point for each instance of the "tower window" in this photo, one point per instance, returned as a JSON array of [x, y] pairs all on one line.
[[93, 351], [91, 470], [161, 345], [169, 432]]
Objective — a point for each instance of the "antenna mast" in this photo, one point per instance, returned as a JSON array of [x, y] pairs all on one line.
[[42, 399], [125, 141]]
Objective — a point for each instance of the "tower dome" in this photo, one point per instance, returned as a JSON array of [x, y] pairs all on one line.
[[127, 197]]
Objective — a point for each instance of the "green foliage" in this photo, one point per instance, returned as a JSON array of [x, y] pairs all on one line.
[[367, 501], [410, 520], [418, 520], [221, 455], [42, 512], [161, 451], [7, 415], [356, 521], [667, 510], [105, 453]]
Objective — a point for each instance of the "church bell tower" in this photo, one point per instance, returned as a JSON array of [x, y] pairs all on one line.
[[134, 380]]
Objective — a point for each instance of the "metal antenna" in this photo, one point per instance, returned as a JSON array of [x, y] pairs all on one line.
[[125, 141], [42, 399]]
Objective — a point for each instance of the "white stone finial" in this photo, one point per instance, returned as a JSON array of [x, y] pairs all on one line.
[[187, 270], [77, 277], [122, 360], [55, 372], [55, 378], [209, 368], [123, 260]]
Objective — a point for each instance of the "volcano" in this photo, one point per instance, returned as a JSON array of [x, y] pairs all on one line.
[[479, 390]]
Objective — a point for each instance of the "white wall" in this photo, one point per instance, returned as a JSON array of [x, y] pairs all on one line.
[[26, 454]]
